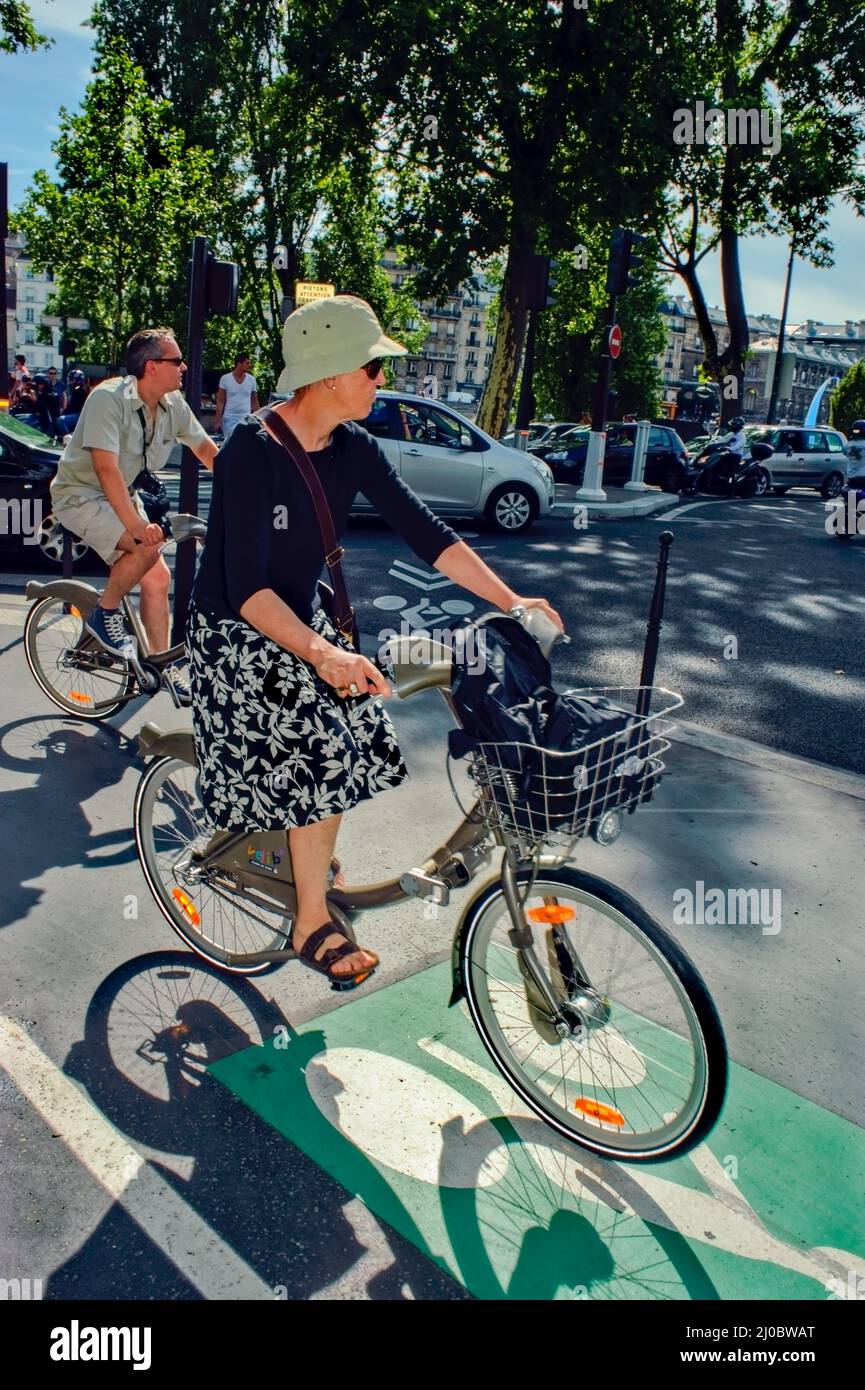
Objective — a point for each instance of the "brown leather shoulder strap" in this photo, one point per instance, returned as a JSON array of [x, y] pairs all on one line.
[[333, 551]]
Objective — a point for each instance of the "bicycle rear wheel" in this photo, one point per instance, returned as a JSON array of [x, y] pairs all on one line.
[[69, 666], [642, 1073], [171, 826]]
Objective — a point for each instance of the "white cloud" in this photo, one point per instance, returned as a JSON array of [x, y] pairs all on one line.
[[61, 16]]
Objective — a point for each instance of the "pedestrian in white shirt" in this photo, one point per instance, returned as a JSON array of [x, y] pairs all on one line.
[[236, 397]]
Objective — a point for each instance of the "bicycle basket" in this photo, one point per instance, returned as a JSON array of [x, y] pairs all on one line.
[[536, 794]]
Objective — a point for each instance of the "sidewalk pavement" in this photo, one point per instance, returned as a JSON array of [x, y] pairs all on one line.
[[728, 815], [620, 502]]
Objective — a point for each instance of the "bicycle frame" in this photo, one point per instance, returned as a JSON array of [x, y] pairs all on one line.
[[149, 665]]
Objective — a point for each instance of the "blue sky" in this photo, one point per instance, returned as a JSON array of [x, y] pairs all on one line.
[[34, 86]]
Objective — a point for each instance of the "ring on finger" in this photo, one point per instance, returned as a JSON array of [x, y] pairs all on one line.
[[353, 689]]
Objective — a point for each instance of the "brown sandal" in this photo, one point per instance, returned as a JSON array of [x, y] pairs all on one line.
[[324, 963]]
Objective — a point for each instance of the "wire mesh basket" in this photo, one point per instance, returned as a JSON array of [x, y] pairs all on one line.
[[541, 796]]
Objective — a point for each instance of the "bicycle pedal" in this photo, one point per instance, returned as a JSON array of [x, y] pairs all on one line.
[[417, 884]]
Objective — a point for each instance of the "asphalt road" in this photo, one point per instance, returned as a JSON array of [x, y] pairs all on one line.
[[763, 632]]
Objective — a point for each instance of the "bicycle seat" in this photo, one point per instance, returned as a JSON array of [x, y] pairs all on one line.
[[418, 663], [184, 525]]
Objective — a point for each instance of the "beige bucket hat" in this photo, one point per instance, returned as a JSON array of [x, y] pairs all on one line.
[[331, 336]]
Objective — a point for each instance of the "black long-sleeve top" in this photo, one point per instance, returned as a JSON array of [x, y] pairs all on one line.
[[263, 533]]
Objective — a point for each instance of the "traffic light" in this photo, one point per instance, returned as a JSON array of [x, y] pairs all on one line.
[[221, 285], [625, 268], [552, 274], [540, 282]]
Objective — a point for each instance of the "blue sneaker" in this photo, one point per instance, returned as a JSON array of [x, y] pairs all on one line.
[[176, 678], [107, 625]]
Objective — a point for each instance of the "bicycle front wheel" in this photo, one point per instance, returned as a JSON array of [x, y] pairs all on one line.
[[170, 828], [69, 666], [641, 1071]]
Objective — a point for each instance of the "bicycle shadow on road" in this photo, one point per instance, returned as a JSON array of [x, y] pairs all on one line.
[[44, 825], [153, 1029]]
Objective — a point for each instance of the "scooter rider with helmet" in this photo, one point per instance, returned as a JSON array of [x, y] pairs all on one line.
[[734, 440]]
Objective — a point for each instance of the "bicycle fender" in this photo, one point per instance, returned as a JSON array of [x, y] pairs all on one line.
[[471, 908], [75, 591], [547, 860], [154, 742]]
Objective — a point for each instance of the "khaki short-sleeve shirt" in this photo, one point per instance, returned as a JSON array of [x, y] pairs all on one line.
[[115, 418]]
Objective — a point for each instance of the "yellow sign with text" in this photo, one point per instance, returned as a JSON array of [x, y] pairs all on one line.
[[305, 291]]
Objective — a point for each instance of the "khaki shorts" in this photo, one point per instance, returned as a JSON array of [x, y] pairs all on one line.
[[97, 524]]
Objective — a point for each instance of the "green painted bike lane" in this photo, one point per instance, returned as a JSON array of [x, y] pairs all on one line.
[[396, 1098]]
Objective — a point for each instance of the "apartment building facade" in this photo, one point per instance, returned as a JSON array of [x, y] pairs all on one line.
[[27, 294], [454, 361]]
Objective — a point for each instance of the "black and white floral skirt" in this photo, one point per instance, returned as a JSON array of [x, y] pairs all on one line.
[[276, 745]]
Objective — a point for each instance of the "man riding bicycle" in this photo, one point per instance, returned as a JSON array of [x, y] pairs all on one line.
[[126, 424]]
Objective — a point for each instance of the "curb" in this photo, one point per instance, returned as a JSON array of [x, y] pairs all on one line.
[[646, 505], [745, 750]]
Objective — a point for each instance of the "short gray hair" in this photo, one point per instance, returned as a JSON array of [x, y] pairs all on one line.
[[143, 348]]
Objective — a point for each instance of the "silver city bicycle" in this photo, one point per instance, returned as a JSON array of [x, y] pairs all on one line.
[[594, 1015], [71, 667]]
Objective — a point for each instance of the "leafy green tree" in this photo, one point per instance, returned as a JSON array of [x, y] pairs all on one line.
[[570, 334], [800, 62], [513, 126], [348, 250], [848, 399], [116, 225], [17, 30], [269, 88]]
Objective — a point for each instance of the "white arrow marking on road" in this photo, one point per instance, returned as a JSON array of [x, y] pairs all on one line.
[[206, 1261], [421, 579]]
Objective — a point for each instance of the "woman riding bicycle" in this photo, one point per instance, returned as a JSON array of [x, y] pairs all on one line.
[[278, 741]]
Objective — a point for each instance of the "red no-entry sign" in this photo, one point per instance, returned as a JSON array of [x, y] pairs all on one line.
[[614, 340]]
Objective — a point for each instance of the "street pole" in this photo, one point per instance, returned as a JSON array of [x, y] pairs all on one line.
[[776, 375], [4, 232], [526, 407], [184, 570], [591, 490]]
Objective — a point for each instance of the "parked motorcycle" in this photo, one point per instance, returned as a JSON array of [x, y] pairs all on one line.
[[848, 520], [718, 471]]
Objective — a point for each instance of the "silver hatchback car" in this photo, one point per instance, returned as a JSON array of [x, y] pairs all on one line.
[[455, 467], [803, 457]]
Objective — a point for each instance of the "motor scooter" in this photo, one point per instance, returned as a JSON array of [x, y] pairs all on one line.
[[718, 471]]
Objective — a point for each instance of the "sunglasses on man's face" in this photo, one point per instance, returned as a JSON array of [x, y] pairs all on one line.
[[373, 368], [175, 361]]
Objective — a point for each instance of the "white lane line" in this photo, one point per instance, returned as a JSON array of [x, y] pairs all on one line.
[[190, 1243]]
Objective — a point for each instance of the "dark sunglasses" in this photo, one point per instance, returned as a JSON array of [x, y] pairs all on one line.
[[373, 368], [176, 361]]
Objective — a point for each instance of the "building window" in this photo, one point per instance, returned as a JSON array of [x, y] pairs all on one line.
[[29, 336], [488, 357], [29, 316], [411, 369], [470, 376], [452, 328], [475, 320], [448, 372], [489, 340], [471, 357], [28, 274]]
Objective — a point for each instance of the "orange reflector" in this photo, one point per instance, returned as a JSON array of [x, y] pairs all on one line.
[[594, 1110], [81, 697], [74, 611], [552, 913], [184, 901], [359, 979]]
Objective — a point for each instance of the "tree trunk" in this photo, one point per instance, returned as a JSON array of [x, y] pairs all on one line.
[[733, 356], [510, 337]]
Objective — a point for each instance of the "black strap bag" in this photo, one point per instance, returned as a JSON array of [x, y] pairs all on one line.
[[512, 719]]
